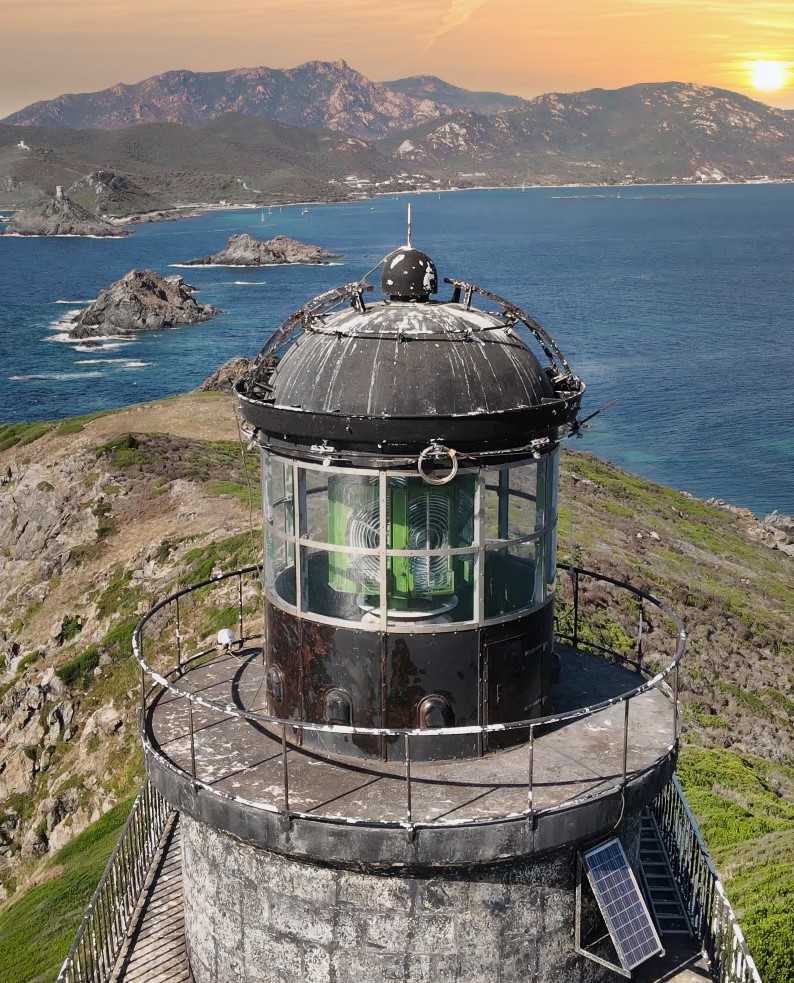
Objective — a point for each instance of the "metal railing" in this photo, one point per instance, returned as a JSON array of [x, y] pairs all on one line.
[[101, 933], [573, 627], [710, 914]]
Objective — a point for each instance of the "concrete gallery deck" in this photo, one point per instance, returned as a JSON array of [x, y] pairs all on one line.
[[579, 760]]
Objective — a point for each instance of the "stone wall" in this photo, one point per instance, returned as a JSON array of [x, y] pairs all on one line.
[[257, 916]]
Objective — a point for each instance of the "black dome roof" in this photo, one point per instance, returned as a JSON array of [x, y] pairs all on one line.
[[391, 376], [407, 360]]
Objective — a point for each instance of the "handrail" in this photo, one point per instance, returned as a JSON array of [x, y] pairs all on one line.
[[477, 729], [100, 936], [710, 914]]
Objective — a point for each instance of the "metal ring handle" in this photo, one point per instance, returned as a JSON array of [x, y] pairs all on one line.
[[437, 450]]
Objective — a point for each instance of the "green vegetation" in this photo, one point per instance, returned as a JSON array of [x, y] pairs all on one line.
[[595, 628], [71, 626], [225, 554], [37, 930], [744, 807], [117, 596], [116, 599], [27, 661], [77, 672], [123, 451], [20, 434], [106, 527], [242, 491], [21, 667]]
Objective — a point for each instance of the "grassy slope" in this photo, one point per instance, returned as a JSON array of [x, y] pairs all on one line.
[[37, 930], [745, 808], [738, 671]]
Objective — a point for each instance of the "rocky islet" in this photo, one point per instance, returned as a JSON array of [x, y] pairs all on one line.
[[142, 300], [244, 250]]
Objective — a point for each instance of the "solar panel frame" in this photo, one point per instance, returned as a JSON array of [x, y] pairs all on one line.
[[621, 903]]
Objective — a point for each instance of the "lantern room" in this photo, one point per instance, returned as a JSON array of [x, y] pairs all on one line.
[[409, 452]]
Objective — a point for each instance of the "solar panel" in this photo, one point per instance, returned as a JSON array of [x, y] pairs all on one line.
[[622, 905]]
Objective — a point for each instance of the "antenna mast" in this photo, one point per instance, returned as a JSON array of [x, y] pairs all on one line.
[[408, 240]]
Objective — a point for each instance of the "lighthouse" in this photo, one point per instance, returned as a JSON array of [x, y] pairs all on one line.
[[425, 763]]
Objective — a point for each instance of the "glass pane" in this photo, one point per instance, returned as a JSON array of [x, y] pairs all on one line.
[[340, 585], [463, 567], [513, 578], [278, 498], [495, 509], [313, 503], [280, 568], [424, 587], [525, 513], [513, 502], [430, 517], [354, 511]]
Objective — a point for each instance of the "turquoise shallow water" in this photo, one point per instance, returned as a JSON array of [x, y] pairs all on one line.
[[677, 301]]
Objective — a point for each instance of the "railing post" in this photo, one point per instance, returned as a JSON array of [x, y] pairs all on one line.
[[575, 607], [640, 630], [240, 606], [192, 739], [675, 704], [408, 807], [531, 773], [178, 637], [284, 769], [143, 681], [625, 738]]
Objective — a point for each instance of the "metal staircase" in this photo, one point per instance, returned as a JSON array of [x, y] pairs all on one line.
[[661, 887]]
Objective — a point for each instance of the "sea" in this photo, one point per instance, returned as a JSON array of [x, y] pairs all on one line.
[[677, 302]]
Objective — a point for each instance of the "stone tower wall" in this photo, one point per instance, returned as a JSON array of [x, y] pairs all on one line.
[[252, 916]]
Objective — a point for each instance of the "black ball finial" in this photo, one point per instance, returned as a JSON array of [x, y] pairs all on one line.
[[409, 274]]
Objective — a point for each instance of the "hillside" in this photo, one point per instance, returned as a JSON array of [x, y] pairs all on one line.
[[238, 159], [103, 515], [328, 95], [324, 131], [452, 97], [642, 133]]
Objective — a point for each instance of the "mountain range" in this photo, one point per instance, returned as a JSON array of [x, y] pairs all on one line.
[[325, 130]]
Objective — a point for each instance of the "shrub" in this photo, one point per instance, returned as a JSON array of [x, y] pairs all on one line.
[[77, 672], [71, 626]]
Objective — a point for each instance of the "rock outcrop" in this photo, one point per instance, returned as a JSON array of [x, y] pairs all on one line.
[[33, 716], [224, 378], [60, 216], [777, 531], [142, 300], [245, 250]]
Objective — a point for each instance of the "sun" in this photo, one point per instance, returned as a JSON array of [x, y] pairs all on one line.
[[768, 76]]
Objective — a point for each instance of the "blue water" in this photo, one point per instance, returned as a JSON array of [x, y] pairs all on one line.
[[676, 301]]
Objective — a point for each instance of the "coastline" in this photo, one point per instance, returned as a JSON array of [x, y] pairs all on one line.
[[196, 209]]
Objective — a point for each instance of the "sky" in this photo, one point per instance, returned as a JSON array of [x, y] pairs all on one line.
[[522, 47]]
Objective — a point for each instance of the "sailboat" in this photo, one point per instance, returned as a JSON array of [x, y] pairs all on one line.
[[262, 216], [305, 211]]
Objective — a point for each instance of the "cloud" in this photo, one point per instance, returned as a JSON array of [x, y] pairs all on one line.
[[458, 13]]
